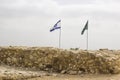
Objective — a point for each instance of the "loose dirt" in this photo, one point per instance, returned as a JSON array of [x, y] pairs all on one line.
[[12, 73]]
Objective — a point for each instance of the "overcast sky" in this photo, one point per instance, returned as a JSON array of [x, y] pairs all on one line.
[[27, 23]]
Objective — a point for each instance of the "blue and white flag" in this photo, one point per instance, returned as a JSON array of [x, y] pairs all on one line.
[[56, 26]]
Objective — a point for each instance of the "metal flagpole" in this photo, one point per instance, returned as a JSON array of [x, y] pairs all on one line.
[[87, 40], [87, 36], [60, 39]]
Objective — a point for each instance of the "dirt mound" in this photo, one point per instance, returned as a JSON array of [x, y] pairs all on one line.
[[60, 60]]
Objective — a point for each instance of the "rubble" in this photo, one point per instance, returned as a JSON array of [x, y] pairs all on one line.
[[62, 61]]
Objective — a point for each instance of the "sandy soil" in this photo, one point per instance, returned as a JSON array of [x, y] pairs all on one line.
[[10, 73], [80, 77]]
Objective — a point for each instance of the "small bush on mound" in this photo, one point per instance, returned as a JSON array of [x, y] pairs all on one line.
[[64, 61]]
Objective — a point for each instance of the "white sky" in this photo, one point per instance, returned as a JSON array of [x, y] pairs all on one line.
[[27, 23]]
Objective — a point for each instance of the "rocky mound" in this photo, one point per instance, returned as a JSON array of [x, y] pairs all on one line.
[[60, 60]]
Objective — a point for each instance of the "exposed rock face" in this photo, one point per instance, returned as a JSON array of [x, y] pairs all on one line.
[[59, 60]]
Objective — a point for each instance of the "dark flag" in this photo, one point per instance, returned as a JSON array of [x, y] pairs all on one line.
[[85, 28]]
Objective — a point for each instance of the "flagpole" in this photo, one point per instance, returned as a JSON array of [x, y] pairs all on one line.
[[87, 41], [87, 38], [60, 38], [85, 28]]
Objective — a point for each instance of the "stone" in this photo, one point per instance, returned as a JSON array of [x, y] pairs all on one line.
[[55, 75], [80, 72], [72, 72], [63, 71]]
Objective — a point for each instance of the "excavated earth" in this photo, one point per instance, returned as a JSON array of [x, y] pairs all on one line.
[[48, 63]]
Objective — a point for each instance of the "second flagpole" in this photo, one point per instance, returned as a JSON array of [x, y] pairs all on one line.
[[87, 41]]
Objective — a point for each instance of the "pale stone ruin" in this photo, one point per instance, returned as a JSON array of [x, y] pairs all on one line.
[[61, 60]]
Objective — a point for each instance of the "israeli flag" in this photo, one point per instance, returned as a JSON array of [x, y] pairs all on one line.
[[56, 26]]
